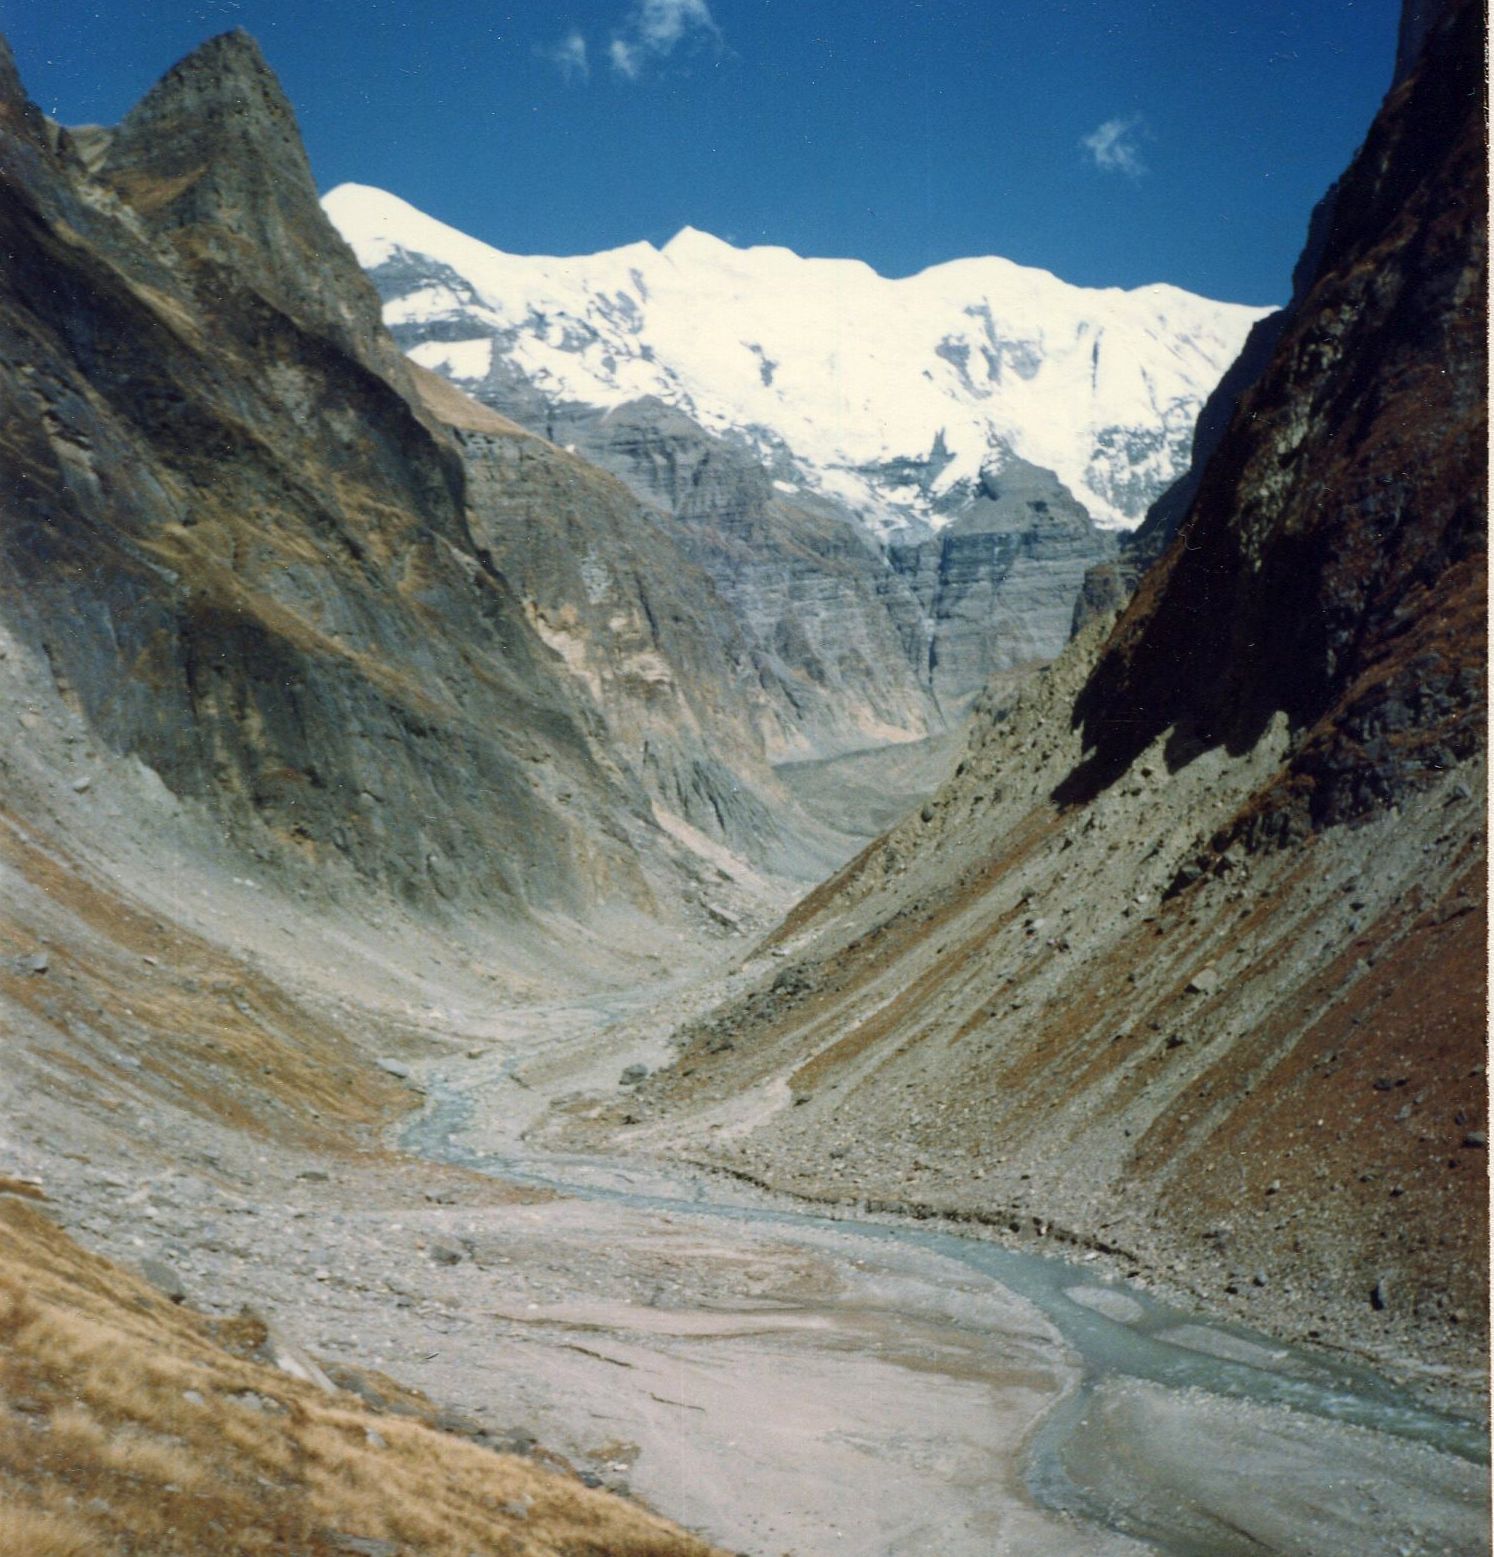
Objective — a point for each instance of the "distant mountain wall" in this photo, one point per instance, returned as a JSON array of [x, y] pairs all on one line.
[[859, 642], [888, 396]]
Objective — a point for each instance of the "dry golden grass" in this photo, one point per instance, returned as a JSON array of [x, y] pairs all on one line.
[[25, 1530], [451, 407], [128, 1425]]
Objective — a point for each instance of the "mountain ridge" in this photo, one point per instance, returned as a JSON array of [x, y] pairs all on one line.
[[986, 357], [251, 556]]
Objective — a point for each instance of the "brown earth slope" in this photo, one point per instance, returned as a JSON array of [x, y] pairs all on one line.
[[1187, 960]]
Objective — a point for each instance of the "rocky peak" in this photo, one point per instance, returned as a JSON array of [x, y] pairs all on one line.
[[1015, 494], [1418, 17], [666, 455], [26, 129], [225, 85], [17, 113], [211, 158]]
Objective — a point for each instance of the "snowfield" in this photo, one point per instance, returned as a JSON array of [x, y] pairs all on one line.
[[890, 395]]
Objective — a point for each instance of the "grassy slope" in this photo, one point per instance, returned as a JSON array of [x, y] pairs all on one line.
[[128, 1424]]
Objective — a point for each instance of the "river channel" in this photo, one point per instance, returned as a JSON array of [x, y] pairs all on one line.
[[1174, 1433]]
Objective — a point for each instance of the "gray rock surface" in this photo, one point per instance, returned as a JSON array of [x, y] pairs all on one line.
[[280, 567], [164, 1279], [854, 644], [998, 586], [640, 627], [840, 647]]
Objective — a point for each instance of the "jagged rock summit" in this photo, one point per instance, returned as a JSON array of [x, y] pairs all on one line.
[[889, 396], [211, 159]]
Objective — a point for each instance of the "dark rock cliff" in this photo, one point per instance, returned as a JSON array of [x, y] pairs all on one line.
[[1332, 566], [1109, 585], [1151, 537]]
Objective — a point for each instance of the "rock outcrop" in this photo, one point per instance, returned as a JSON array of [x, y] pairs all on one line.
[[862, 644], [228, 532], [1187, 961], [858, 644], [840, 646], [1332, 565], [689, 705]]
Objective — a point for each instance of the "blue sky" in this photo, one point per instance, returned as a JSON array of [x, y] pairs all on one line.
[[1112, 143]]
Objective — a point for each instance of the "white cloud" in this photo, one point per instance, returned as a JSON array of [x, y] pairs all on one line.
[[662, 23], [1114, 146], [569, 57], [654, 29]]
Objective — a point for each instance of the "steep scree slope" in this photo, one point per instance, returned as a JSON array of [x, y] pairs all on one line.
[[1187, 960]]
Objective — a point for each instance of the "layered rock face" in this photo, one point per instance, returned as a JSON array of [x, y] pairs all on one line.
[[860, 644], [690, 708], [864, 644], [1187, 961], [998, 585], [841, 648], [243, 549]]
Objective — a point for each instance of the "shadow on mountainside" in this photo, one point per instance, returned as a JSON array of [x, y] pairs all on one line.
[[1329, 567]]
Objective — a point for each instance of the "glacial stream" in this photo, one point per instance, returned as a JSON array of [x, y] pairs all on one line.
[[1120, 1333]]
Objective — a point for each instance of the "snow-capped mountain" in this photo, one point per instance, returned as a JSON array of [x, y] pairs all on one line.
[[891, 396]]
